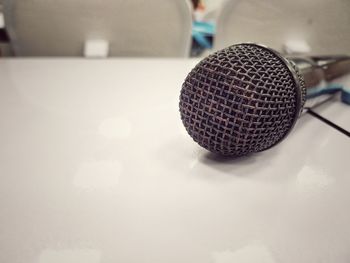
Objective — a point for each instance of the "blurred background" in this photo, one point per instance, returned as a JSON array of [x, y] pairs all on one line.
[[96, 166], [170, 28]]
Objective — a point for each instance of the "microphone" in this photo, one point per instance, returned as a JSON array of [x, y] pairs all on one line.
[[245, 98]]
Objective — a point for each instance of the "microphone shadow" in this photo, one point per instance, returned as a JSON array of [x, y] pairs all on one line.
[[243, 166], [209, 158], [192, 160]]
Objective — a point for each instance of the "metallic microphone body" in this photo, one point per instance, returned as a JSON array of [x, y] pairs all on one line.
[[243, 99]]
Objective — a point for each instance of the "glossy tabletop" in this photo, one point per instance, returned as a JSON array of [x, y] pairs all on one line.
[[96, 167]]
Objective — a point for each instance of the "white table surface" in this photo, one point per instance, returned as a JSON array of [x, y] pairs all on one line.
[[96, 167]]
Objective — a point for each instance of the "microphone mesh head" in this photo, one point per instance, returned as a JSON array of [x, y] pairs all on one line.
[[242, 99]]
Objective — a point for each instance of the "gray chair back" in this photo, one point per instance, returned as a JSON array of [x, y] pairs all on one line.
[[159, 28], [322, 25]]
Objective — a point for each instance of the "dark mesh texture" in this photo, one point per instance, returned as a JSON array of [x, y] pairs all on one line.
[[239, 100]]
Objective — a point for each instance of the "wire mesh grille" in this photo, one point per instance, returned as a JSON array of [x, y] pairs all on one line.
[[239, 100]]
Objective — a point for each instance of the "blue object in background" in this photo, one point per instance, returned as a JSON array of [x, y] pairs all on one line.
[[330, 89], [203, 33]]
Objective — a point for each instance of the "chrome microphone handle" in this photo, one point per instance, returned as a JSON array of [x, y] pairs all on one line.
[[324, 68], [317, 71]]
